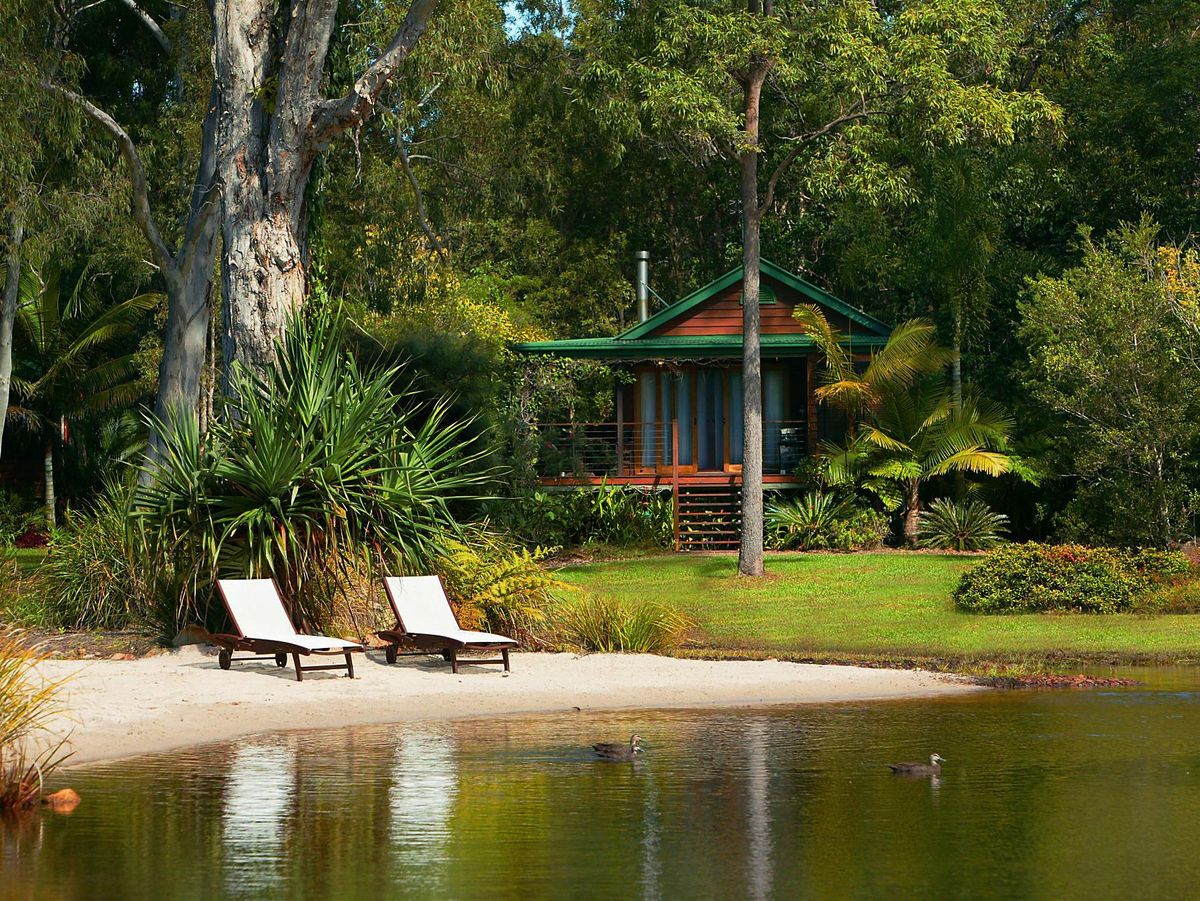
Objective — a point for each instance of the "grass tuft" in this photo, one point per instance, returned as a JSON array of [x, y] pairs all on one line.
[[27, 705]]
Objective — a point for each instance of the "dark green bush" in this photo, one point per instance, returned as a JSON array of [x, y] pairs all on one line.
[[1031, 578], [604, 514], [819, 521], [17, 514], [102, 572]]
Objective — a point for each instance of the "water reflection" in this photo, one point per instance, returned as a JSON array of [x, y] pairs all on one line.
[[258, 800], [758, 813], [422, 801], [1049, 794]]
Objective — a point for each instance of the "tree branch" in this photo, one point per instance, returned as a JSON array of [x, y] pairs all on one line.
[[332, 117], [139, 199], [798, 144], [419, 198], [144, 17]]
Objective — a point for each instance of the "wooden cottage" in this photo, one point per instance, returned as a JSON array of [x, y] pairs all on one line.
[[678, 417]]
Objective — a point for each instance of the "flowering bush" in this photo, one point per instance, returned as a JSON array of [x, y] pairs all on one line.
[[1031, 578]]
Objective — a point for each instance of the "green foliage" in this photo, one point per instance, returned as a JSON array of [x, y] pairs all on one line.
[[66, 366], [602, 514], [912, 428], [16, 515], [315, 460], [820, 521], [103, 571], [1032, 578], [968, 525], [501, 589], [606, 625], [1114, 345]]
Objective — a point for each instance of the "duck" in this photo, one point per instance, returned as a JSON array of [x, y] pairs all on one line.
[[933, 768], [616, 750]]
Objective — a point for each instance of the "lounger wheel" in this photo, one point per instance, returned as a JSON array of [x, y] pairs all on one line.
[[390, 653], [281, 660], [225, 658]]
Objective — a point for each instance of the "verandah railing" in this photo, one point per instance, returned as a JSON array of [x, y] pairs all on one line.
[[619, 449]]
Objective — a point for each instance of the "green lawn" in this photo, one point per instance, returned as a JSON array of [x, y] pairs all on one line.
[[881, 606]]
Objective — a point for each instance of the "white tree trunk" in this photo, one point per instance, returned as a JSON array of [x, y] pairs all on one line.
[[274, 122], [750, 552], [189, 283], [8, 311]]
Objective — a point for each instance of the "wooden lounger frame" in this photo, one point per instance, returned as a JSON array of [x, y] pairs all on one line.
[[279, 651], [422, 645]]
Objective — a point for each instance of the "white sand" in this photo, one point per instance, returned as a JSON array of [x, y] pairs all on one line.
[[120, 708]]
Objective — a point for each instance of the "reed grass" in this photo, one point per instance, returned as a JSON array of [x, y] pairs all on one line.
[[607, 625], [28, 703]]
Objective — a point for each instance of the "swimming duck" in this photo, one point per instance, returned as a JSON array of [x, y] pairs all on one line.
[[615, 750], [933, 768]]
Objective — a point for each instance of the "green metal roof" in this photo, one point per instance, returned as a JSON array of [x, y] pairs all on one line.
[[637, 342], [732, 277], [708, 347]]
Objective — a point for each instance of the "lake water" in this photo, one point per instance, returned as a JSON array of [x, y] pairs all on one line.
[[1048, 794]]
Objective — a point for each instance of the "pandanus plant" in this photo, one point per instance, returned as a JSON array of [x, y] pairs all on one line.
[[908, 426], [314, 461]]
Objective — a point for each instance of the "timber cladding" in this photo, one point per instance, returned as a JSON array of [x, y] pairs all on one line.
[[721, 314]]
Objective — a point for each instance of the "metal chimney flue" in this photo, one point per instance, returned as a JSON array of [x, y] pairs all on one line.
[[642, 284]]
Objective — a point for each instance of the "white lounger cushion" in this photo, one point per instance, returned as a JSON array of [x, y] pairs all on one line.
[[258, 613], [420, 605]]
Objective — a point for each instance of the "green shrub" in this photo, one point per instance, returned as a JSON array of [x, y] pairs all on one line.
[[961, 526], [822, 521], [101, 572], [16, 515], [500, 588], [1030, 578], [604, 514], [609, 626], [316, 462]]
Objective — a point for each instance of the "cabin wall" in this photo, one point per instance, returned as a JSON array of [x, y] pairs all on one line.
[[722, 315]]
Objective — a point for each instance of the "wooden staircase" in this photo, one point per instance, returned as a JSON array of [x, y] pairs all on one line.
[[708, 517]]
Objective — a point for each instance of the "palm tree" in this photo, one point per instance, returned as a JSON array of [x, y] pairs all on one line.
[[922, 432], [62, 372], [908, 425]]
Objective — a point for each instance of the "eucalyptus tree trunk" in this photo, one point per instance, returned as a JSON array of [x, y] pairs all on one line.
[[8, 311], [189, 284], [750, 551], [274, 122], [186, 271]]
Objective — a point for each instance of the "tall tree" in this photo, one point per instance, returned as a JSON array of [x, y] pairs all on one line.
[[186, 265], [275, 120], [825, 95]]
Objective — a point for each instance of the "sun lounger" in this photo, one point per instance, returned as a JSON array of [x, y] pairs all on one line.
[[264, 628], [425, 622]]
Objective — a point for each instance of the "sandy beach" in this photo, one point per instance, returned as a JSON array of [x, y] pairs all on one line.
[[120, 708]]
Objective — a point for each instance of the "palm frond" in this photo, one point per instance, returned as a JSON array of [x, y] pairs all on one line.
[[814, 324]]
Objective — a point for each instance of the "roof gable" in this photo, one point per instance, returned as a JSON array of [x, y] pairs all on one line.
[[688, 305]]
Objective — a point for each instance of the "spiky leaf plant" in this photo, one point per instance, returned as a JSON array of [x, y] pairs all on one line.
[[965, 526], [315, 461]]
